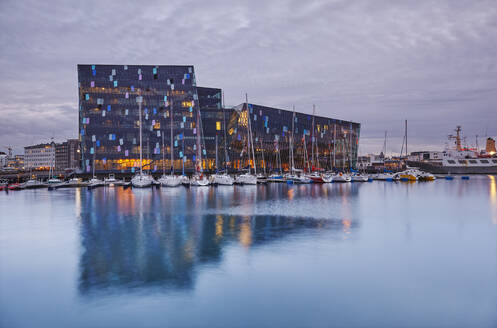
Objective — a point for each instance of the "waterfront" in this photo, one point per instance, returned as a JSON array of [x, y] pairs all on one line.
[[356, 254]]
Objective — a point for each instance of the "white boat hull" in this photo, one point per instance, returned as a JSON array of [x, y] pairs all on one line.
[[142, 181], [170, 180], [222, 179], [246, 179]]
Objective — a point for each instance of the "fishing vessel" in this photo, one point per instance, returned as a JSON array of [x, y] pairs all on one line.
[[457, 159], [141, 180]]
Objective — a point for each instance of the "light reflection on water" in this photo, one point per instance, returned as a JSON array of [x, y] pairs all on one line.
[[371, 254]]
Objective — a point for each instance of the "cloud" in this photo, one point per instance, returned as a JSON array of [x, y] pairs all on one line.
[[374, 62]]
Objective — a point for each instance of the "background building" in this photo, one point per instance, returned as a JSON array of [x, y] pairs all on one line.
[[40, 156], [67, 155], [109, 129], [3, 159]]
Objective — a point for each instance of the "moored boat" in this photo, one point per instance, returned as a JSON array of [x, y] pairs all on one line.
[[341, 177], [223, 179]]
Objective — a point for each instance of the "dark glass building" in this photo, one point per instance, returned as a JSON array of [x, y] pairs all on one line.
[[109, 121], [109, 125], [334, 147]]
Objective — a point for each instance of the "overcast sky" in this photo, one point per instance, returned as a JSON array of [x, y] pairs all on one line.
[[375, 62]]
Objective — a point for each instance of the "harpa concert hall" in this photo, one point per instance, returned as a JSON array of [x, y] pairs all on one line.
[[109, 126]]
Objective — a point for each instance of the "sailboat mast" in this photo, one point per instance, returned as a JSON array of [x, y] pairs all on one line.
[[406, 140], [139, 99], [199, 153], [334, 143], [250, 137], [163, 156], [291, 142], [263, 160], [225, 141], [350, 148], [94, 152], [217, 168], [172, 146], [313, 137]]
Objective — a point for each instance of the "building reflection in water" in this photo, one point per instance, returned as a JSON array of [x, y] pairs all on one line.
[[493, 198], [153, 238]]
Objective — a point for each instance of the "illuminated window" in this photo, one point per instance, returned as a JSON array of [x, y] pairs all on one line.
[[218, 126]]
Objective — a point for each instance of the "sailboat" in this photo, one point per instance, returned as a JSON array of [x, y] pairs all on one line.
[[293, 177], [277, 177], [141, 180], [171, 180], [199, 179], [94, 181], [222, 178], [52, 180], [262, 177], [248, 178]]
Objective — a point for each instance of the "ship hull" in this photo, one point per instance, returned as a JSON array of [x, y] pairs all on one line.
[[439, 169]]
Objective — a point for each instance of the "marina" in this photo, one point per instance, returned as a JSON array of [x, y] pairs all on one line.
[[119, 256]]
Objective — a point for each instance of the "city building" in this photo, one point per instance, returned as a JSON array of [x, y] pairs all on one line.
[[41, 156], [16, 161], [490, 147], [3, 159], [67, 155], [109, 125]]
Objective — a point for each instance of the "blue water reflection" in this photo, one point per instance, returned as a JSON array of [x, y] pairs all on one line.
[[372, 254]]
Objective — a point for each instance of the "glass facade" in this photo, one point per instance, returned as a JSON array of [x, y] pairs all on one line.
[[334, 147], [109, 125], [109, 121]]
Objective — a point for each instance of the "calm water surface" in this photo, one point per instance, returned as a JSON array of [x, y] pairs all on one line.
[[375, 254]]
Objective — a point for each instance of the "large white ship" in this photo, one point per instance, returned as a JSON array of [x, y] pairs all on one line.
[[456, 159]]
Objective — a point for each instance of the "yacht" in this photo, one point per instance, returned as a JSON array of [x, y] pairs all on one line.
[[342, 177], [275, 177], [73, 182], [357, 177], [33, 184], [95, 182], [384, 176], [112, 181], [222, 179], [199, 181], [246, 179], [171, 180], [141, 179], [426, 176], [261, 178], [407, 175]]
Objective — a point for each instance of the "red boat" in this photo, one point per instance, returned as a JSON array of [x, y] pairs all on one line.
[[15, 186]]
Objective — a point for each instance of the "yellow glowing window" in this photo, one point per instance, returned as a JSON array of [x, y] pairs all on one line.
[[157, 126], [218, 126], [186, 104]]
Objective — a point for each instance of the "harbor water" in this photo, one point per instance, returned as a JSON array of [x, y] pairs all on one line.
[[375, 254]]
